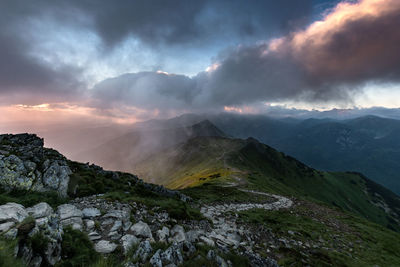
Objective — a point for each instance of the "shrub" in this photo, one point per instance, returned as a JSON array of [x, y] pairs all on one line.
[[77, 250]]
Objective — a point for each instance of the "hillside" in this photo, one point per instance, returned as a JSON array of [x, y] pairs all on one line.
[[367, 144], [123, 152], [57, 212], [250, 164]]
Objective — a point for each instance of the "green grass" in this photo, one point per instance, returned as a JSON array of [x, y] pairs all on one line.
[[77, 249], [30, 198], [371, 244], [7, 254], [176, 209]]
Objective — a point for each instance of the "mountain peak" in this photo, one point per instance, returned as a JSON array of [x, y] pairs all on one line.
[[207, 128]]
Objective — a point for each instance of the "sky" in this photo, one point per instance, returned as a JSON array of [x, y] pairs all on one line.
[[131, 60]]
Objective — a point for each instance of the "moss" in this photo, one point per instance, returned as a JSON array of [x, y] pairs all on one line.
[[30, 198], [7, 254]]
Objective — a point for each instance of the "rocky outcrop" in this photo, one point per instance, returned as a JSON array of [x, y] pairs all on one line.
[[26, 165]]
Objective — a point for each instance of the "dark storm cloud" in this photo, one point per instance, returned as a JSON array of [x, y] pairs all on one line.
[[191, 21], [183, 23], [21, 74], [328, 61]]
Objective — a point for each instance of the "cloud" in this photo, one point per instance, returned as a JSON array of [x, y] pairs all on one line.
[[190, 22], [329, 60], [22, 75]]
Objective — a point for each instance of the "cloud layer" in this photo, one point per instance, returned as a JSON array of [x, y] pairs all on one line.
[[330, 60]]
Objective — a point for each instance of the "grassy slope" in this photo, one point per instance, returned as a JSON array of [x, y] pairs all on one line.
[[254, 165]]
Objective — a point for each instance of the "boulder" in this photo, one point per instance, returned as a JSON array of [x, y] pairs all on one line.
[[128, 241], [12, 212], [105, 247], [56, 177], [142, 229], [122, 215], [177, 234], [40, 210], [156, 260], [172, 255], [67, 211], [163, 234], [144, 251], [90, 212]]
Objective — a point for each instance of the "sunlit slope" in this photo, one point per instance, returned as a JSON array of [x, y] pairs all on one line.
[[251, 164]]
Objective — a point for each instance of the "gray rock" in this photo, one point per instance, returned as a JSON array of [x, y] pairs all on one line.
[[220, 261], [75, 222], [117, 226], [114, 235], [12, 212], [122, 215], [67, 211], [207, 241], [211, 255], [105, 247], [172, 255], [156, 261], [193, 235], [142, 229], [40, 210], [56, 177], [177, 234], [144, 251], [163, 234], [128, 241], [90, 212], [89, 224], [94, 236], [4, 227], [11, 234], [36, 261], [188, 248]]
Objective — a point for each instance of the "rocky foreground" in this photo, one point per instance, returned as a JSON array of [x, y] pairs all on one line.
[[111, 225], [135, 230]]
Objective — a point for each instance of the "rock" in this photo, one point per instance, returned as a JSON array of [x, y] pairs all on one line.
[[89, 224], [70, 215], [36, 261], [156, 261], [163, 234], [144, 251], [4, 227], [188, 248], [128, 241], [105, 247], [117, 225], [207, 241], [90, 212], [220, 261], [12, 212], [193, 236], [114, 235], [67, 211], [172, 255], [56, 177], [94, 236], [11, 234], [177, 234], [211, 255], [142, 229], [53, 253], [40, 210], [122, 215]]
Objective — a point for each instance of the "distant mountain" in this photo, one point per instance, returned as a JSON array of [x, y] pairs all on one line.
[[249, 163], [369, 144], [124, 152]]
